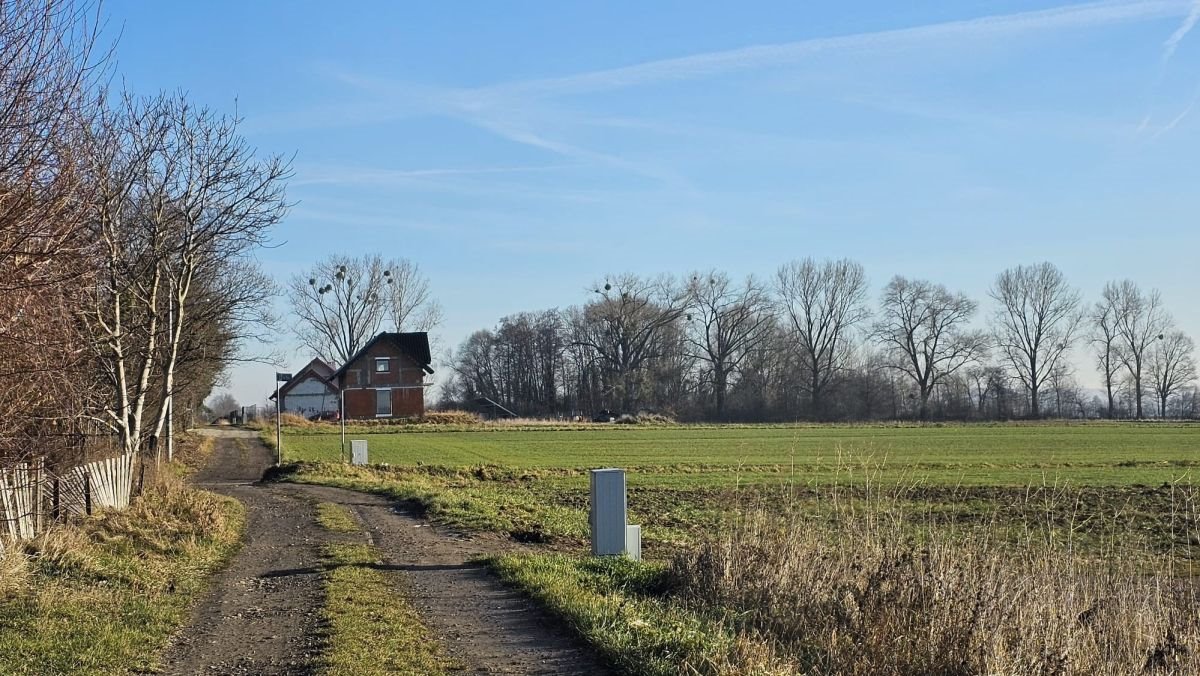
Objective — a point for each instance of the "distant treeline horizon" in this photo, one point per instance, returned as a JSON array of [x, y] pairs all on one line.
[[814, 343]]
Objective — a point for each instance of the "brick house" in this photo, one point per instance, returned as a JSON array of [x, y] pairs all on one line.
[[386, 378], [310, 391]]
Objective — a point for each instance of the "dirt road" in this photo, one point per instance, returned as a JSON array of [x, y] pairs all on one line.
[[263, 613], [256, 620]]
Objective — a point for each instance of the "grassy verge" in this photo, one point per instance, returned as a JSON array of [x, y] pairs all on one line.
[[192, 452], [104, 597], [462, 499], [549, 506], [372, 627], [620, 607]]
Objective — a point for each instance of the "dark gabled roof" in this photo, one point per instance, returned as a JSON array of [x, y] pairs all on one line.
[[321, 368], [414, 344], [317, 367]]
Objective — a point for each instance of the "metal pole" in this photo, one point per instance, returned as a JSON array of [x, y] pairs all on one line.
[[278, 430], [342, 418]]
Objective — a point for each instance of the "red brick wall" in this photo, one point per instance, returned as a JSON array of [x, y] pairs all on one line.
[[407, 402]]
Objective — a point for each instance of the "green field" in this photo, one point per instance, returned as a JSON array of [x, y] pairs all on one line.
[[851, 505], [684, 480], [992, 455]]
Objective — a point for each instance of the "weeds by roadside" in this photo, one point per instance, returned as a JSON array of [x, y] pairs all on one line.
[[623, 610], [104, 596], [865, 592], [192, 452]]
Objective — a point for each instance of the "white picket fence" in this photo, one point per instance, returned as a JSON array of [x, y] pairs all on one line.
[[19, 496], [30, 497]]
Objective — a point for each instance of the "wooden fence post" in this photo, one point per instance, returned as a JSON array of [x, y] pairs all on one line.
[[56, 501], [87, 493]]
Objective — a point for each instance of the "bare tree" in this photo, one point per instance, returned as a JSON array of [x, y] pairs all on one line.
[[726, 321], [124, 319], [48, 75], [1035, 323], [410, 301], [181, 202], [1172, 366], [519, 364], [627, 329], [343, 302], [1105, 341], [923, 328], [223, 404], [217, 202], [821, 303], [1140, 320]]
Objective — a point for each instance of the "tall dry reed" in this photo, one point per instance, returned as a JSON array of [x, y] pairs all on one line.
[[859, 588]]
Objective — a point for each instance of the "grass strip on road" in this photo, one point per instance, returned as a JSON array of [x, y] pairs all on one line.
[[336, 518], [104, 597], [373, 629]]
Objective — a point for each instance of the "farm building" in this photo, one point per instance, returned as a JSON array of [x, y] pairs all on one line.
[[310, 391], [386, 378]]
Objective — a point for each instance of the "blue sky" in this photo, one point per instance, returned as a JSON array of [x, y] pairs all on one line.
[[520, 151]]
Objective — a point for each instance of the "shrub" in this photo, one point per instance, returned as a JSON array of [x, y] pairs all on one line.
[[450, 418]]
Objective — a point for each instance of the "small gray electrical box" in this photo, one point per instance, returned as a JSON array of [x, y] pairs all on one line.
[[358, 452], [633, 542], [607, 517], [611, 535]]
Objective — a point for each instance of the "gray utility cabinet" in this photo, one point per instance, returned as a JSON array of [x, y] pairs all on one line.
[[611, 535], [358, 452]]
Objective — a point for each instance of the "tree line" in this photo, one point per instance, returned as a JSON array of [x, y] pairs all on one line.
[[813, 343], [128, 232]]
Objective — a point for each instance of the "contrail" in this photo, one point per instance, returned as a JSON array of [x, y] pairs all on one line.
[[758, 56], [1189, 22]]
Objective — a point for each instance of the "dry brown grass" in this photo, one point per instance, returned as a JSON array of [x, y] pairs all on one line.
[[450, 418], [862, 591], [103, 594], [192, 452], [298, 421], [14, 571]]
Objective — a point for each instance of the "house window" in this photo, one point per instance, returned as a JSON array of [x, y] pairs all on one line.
[[382, 365], [383, 402]]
